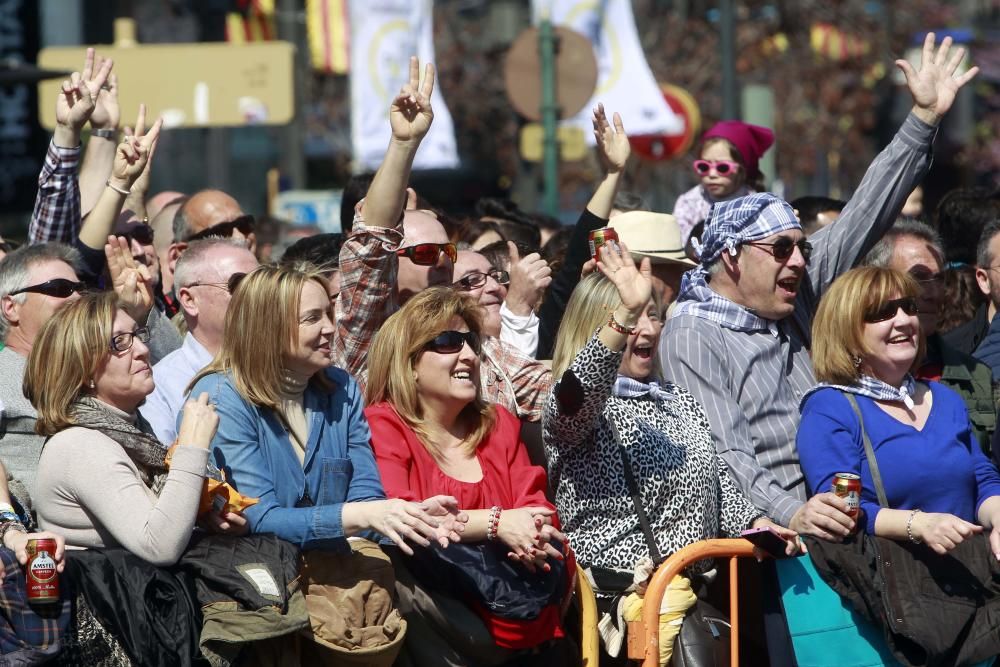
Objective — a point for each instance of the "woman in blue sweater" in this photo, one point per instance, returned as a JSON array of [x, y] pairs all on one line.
[[940, 487]]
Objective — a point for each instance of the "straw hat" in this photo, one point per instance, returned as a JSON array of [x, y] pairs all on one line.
[[653, 235]]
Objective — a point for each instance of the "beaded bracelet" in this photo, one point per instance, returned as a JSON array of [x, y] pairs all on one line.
[[615, 325], [909, 527], [493, 524]]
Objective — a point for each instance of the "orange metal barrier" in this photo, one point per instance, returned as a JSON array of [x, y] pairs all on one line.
[[590, 641], [737, 548]]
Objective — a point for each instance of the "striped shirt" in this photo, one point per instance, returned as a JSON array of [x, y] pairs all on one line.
[[751, 383]]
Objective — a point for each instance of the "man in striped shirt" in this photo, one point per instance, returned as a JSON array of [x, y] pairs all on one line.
[[739, 338]]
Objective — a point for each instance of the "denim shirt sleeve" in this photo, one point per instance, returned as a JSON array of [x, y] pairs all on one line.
[[238, 448]]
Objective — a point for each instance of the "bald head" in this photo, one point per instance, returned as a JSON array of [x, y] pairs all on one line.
[[203, 210], [422, 227], [156, 203]]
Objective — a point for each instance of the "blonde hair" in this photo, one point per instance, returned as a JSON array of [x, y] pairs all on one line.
[[589, 308], [839, 327], [265, 301], [66, 355], [397, 349]]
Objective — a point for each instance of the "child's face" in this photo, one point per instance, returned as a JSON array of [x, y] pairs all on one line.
[[719, 185]]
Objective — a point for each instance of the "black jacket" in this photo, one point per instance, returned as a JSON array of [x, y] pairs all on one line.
[[967, 337]]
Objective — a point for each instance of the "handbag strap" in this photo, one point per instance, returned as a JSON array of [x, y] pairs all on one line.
[[869, 452], [633, 488]]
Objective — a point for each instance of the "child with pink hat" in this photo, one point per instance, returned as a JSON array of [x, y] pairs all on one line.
[[728, 167]]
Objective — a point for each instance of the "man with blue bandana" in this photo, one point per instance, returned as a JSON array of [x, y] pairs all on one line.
[[739, 337]]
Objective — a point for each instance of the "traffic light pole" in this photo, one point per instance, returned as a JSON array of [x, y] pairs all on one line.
[[550, 113]]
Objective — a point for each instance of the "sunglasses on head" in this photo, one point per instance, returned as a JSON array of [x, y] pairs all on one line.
[[888, 310], [450, 342], [783, 248], [427, 254], [57, 287], [721, 167], [243, 224], [477, 279], [142, 234]]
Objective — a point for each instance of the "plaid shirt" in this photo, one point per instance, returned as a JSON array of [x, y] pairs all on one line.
[[368, 269], [24, 633], [57, 206]]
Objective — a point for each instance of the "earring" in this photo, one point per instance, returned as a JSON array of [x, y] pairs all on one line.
[[857, 362], [91, 384]]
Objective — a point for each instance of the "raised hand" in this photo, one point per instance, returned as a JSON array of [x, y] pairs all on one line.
[[198, 423], [78, 98], [633, 282], [411, 115], [613, 147], [935, 85], [107, 112], [132, 281], [132, 158], [529, 276]]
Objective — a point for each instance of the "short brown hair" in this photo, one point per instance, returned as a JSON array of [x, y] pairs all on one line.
[[397, 348], [838, 329], [262, 326], [65, 357]]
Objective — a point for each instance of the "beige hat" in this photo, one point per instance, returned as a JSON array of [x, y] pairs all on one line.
[[653, 235]]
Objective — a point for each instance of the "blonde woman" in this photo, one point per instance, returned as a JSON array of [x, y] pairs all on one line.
[[606, 361], [433, 433], [102, 481], [292, 432]]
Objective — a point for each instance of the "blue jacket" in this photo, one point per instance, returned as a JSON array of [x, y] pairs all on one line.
[[299, 503]]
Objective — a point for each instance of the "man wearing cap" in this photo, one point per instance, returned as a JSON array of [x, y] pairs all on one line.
[[739, 337], [658, 237]]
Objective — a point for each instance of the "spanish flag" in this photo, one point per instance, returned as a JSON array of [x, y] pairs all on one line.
[[251, 21], [329, 41]]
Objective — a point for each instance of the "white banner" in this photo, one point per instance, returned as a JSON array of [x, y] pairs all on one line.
[[624, 81], [384, 34]]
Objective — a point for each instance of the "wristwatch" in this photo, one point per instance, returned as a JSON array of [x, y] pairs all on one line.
[[105, 134]]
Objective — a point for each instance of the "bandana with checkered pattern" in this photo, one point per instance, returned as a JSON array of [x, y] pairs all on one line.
[[874, 389]]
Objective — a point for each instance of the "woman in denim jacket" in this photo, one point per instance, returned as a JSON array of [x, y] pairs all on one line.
[[292, 431]]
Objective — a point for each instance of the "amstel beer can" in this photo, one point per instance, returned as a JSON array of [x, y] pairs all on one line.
[[847, 485], [599, 237], [43, 579]]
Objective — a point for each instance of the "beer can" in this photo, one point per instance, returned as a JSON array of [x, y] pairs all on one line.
[[599, 237], [41, 574], [847, 485]]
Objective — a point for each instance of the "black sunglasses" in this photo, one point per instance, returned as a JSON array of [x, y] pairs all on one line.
[[477, 279], [783, 248], [427, 254], [57, 287], [888, 310], [450, 342], [142, 234], [244, 224]]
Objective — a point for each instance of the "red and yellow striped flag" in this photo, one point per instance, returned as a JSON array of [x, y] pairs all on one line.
[[252, 21], [329, 41]]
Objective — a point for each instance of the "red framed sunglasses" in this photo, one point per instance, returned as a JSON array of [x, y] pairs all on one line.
[[427, 254]]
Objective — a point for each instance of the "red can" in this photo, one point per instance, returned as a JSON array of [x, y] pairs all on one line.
[[847, 485], [43, 579], [599, 237]]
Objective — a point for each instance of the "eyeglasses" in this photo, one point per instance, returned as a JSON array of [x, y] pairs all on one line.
[[142, 234], [427, 254], [783, 248], [721, 167], [58, 287], [123, 342], [244, 224], [888, 310], [230, 285], [450, 342], [477, 279], [925, 276]]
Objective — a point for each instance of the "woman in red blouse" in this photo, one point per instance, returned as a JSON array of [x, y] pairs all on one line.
[[433, 433]]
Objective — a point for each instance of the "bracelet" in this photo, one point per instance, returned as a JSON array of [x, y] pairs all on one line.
[[105, 134], [117, 189], [493, 524], [615, 325], [909, 527]]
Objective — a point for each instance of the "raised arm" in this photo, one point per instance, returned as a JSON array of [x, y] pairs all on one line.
[[100, 154]]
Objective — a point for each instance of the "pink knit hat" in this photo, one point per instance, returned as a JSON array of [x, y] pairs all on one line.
[[752, 141]]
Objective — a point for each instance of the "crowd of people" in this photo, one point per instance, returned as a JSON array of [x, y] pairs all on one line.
[[404, 443]]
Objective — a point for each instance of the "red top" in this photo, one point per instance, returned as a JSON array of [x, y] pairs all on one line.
[[509, 480]]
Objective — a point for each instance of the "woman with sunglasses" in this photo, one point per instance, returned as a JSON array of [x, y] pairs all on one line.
[[102, 481], [941, 489], [727, 168], [292, 432], [611, 419], [433, 433]]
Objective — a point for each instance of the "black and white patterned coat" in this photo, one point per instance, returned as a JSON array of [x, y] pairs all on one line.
[[686, 488]]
